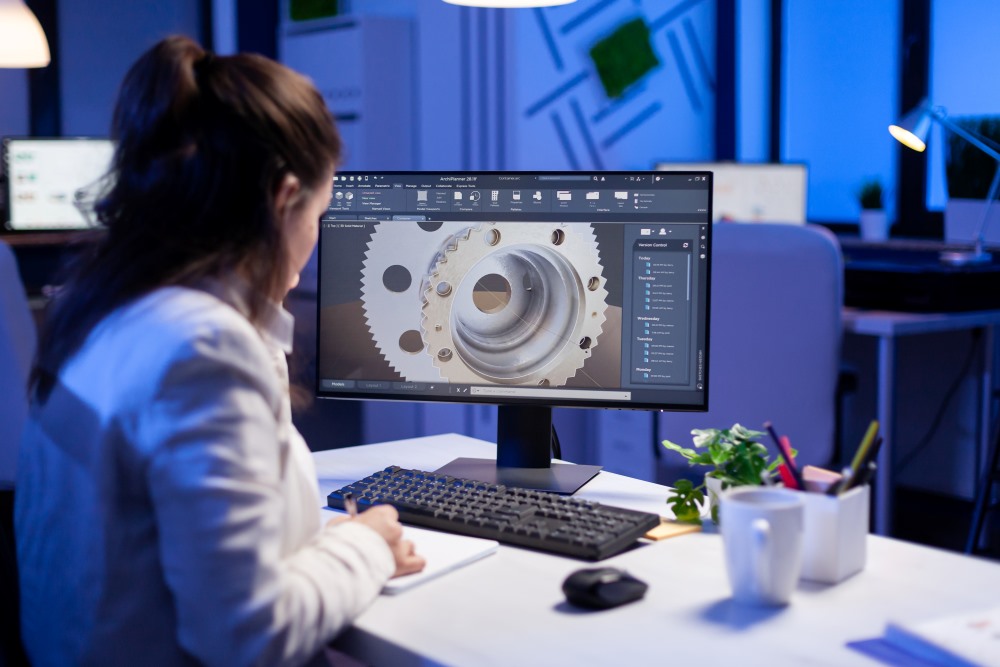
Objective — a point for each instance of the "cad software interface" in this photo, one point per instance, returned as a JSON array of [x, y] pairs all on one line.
[[569, 288]]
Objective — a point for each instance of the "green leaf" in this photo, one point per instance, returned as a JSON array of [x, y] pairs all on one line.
[[683, 451], [702, 437], [719, 453], [683, 486], [685, 502]]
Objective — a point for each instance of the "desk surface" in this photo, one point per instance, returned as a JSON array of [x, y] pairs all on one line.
[[508, 609], [897, 323]]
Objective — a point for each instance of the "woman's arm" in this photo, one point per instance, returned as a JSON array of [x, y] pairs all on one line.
[[214, 475]]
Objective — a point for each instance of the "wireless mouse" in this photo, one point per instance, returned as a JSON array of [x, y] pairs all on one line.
[[602, 588]]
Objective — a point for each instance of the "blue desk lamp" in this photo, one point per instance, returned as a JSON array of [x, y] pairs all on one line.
[[912, 132]]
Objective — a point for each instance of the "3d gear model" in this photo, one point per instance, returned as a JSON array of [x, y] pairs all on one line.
[[504, 303]]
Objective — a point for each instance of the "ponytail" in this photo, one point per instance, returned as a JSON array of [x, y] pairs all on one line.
[[203, 142]]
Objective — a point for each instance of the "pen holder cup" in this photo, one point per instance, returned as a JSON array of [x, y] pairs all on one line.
[[835, 535]]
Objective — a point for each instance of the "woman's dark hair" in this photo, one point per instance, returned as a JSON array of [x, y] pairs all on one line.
[[203, 142]]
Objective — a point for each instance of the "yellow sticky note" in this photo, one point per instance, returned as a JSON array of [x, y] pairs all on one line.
[[668, 529]]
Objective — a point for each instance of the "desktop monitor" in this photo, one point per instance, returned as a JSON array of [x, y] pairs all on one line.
[[754, 192], [528, 290], [48, 177]]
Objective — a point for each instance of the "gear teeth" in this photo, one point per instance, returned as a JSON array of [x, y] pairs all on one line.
[[388, 315]]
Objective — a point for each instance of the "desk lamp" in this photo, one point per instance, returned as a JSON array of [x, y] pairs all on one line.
[[912, 132], [22, 40]]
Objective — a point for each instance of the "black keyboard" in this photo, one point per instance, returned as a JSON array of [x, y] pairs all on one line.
[[523, 517]]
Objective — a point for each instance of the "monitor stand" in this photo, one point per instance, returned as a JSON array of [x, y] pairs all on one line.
[[524, 458]]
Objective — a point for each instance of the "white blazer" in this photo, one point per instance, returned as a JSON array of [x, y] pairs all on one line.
[[167, 510]]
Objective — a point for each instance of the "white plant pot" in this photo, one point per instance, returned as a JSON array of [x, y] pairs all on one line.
[[874, 225], [713, 489]]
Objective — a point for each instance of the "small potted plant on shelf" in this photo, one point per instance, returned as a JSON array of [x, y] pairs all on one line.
[[736, 458], [873, 222]]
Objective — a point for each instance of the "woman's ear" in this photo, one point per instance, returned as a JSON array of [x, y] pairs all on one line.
[[286, 195]]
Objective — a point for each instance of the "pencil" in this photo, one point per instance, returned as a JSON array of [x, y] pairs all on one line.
[[866, 443]]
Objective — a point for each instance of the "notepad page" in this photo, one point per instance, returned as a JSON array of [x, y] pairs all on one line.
[[444, 552]]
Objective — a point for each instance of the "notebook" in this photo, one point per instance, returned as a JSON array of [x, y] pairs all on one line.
[[445, 552]]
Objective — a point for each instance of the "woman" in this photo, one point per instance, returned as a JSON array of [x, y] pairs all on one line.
[[166, 507]]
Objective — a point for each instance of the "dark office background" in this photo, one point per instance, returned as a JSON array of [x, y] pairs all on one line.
[[424, 85]]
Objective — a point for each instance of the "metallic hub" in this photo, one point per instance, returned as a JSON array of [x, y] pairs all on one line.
[[525, 303], [508, 303]]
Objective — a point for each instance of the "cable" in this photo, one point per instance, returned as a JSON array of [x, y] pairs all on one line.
[[949, 395], [556, 445]]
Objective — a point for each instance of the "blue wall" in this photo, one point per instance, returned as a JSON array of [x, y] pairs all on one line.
[[840, 95]]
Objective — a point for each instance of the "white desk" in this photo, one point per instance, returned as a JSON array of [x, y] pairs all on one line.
[[508, 609], [887, 326]]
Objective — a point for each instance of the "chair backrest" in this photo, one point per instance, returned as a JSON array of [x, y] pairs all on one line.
[[17, 348], [774, 338]]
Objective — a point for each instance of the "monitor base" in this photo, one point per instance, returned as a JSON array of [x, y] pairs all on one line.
[[563, 478]]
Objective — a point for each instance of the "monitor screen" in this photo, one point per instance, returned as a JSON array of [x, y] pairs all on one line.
[[754, 192], [528, 290], [47, 178]]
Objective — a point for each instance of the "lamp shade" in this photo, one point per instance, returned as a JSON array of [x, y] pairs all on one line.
[[509, 4], [22, 41], [914, 127]]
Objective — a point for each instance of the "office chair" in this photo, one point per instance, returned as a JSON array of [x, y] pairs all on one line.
[[774, 339], [17, 347]]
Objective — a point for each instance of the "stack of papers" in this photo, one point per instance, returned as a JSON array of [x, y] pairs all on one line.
[[961, 640]]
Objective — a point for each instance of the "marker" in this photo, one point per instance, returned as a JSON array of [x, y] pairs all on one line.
[[350, 504]]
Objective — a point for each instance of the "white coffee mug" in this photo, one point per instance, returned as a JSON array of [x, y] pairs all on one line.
[[762, 531]]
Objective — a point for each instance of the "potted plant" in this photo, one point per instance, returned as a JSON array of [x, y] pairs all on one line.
[[874, 225], [736, 458]]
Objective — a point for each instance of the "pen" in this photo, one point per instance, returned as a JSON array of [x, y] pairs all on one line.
[[866, 474], [350, 504], [785, 451]]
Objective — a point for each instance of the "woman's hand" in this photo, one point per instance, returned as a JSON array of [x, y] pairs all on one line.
[[384, 520]]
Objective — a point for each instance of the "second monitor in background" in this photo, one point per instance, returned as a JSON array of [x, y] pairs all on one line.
[[754, 192], [48, 179]]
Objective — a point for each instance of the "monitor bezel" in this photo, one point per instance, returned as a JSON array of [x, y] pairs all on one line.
[[555, 401]]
